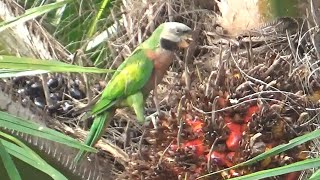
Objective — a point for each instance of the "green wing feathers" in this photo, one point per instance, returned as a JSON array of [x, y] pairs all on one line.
[[130, 78]]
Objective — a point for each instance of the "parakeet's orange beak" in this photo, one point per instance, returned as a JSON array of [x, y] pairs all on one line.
[[185, 41]]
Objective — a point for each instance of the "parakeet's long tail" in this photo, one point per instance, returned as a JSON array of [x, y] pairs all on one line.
[[97, 129]]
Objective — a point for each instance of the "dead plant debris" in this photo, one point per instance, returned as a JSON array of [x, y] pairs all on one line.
[[247, 95]]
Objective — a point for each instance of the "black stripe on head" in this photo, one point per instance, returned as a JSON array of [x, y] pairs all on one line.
[[168, 45]]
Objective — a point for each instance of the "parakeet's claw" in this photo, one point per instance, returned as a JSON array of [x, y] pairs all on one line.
[[154, 118]]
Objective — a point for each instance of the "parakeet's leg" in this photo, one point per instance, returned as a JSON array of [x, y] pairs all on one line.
[[136, 101], [97, 129], [155, 96], [154, 118]]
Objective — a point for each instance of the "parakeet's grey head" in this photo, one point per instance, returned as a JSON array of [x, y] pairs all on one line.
[[174, 35], [169, 36]]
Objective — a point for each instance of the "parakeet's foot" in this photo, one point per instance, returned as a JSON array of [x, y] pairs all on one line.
[[154, 119]]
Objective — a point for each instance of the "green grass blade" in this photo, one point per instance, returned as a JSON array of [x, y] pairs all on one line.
[[38, 163], [32, 13], [21, 144], [274, 151], [315, 175], [298, 166], [8, 163], [17, 73], [97, 17], [15, 123], [19, 64]]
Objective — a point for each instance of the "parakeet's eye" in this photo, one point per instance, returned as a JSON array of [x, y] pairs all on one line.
[[186, 31], [182, 31]]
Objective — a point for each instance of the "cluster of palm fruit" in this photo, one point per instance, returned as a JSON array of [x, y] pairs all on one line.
[[198, 145], [239, 119], [63, 92]]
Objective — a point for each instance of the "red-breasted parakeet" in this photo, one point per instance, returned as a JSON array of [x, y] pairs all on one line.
[[137, 76]]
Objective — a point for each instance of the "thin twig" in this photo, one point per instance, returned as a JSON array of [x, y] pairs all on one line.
[[44, 80], [210, 152], [179, 110]]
